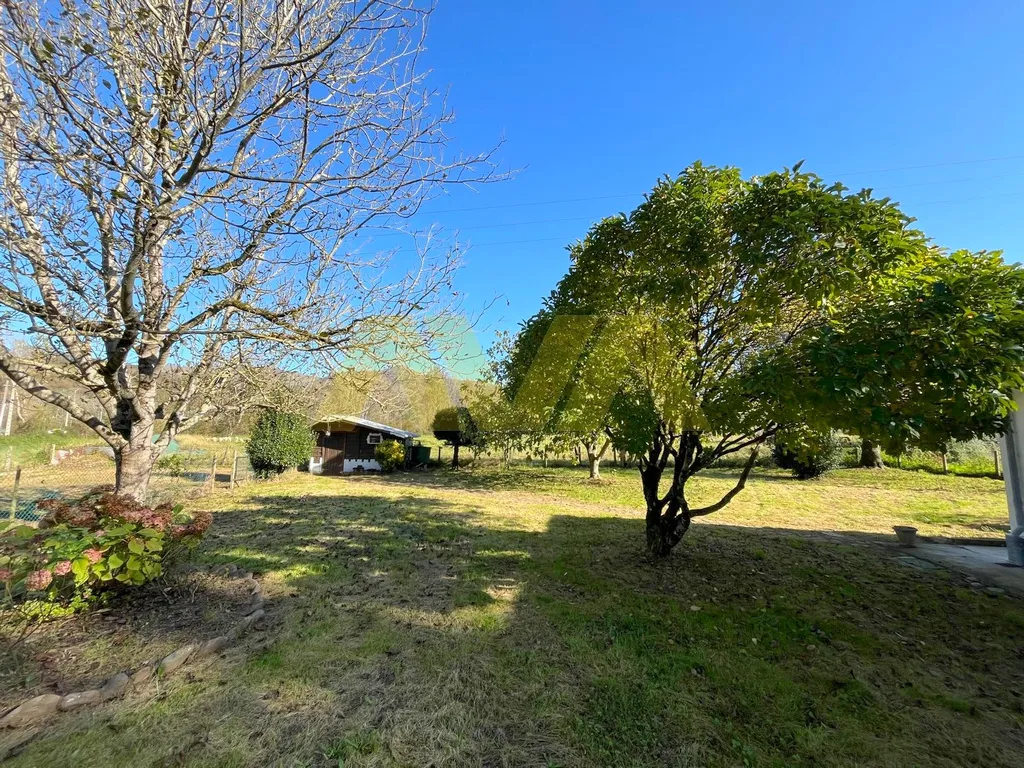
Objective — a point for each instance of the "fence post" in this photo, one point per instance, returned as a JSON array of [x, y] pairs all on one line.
[[945, 463], [995, 456], [14, 496], [234, 469], [213, 474], [53, 453]]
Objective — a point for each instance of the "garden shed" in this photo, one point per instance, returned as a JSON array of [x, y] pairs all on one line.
[[347, 443]]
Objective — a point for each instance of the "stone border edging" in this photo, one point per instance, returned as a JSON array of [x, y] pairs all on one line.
[[40, 708]]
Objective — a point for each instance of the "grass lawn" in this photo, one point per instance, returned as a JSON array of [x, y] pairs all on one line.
[[488, 618]]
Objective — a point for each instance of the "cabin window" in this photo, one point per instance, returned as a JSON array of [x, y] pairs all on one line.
[[373, 438]]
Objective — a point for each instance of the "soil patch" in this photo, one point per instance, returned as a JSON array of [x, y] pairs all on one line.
[[144, 624]]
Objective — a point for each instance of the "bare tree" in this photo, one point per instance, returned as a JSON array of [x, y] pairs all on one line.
[[181, 185]]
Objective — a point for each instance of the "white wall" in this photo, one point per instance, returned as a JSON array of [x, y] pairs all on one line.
[[351, 464]]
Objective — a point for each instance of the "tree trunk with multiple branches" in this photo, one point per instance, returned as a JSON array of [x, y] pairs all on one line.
[[181, 184], [595, 452], [669, 514], [697, 326]]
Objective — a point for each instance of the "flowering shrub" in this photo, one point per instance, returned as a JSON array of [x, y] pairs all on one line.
[[390, 455], [100, 541]]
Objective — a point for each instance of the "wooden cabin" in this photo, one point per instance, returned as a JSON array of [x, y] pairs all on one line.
[[347, 444]]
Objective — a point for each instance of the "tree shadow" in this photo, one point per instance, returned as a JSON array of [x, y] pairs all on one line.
[[423, 630], [433, 582], [516, 478]]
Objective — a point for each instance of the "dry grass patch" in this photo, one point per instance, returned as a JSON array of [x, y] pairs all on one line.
[[509, 619]]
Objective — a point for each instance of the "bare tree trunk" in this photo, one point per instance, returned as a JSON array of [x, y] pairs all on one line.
[[134, 463], [3, 404], [594, 456], [664, 533], [668, 517], [455, 455], [134, 460], [665, 527], [133, 469], [871, 455]]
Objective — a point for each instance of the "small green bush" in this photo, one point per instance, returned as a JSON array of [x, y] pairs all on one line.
[[279, 441], [171, 463], [807, 453], [390, 455]]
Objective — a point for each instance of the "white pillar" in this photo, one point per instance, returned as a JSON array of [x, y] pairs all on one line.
[[1012, 445]]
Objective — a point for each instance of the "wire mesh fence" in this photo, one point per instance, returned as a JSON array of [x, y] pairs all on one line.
[[181, 475]]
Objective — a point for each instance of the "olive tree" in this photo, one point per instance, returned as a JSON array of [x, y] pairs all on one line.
[[181, 187], [725, 309]]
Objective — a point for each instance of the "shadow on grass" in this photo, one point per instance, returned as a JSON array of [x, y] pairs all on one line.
[[537, 479], [791, 633], [415, 630], [953, 471]]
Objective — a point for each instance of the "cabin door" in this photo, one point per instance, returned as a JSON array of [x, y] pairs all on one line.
[[334, 454]]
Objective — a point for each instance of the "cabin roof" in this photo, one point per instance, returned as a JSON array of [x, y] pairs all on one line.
[[324, 423]]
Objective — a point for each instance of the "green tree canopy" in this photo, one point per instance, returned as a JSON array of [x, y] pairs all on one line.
[[724, 309], [929, 356]]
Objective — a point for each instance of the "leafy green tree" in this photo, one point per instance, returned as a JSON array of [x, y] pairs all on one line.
[[726, 309], [278, 441], [557, 392], [456, 427], [928, 357]]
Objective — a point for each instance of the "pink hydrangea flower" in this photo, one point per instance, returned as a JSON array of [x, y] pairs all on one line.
[[5, 574], [37, 581], [62, 568], [93, 555]]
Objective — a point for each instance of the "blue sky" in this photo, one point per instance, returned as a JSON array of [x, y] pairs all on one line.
[[599, 99]]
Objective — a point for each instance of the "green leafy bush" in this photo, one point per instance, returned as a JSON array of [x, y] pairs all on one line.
[[98, 542], [807, 453], [390, 455], [171, 463], [279, 441]]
